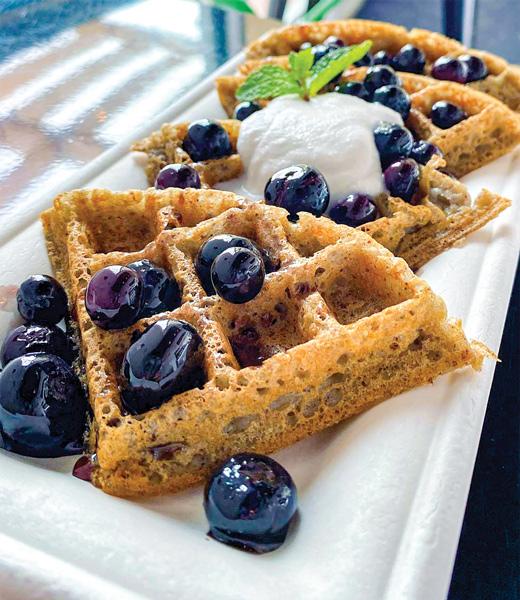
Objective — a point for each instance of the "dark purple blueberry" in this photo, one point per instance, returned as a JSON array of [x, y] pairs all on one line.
[[114, 297], [161, 292], [409, 59], [41, 299], [380, 75], [450, 69], [319, 51], [352, 88], [249, 502], [42, 407], [445, 115], [245, 109], [402, 179], [165, 360], [206, 139], [298, 188], [305, 45], [477, 68], [422, 151], [383, 58], [238, 274], [177, 176], [366, 61], [334, 42], [354, 210], [28, 339], [213, 248], [395, 98], [393, 142]]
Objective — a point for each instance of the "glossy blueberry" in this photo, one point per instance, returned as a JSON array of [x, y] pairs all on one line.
[[422, 151], [298, 188], [305, 45], [352, 88], [206, 139], [445, 115], [450, 69], [477, 68], [41, 299], [213, 248], [178, 176], [245, 109], [395, 98], [114, 297], [237, 274], [166, 359], [249, 502], [42, 406], [409, 59], [334, 42], [383, 58], [366, 61], [380, 75], [354, 210], [392, 141], [161, 292], [320, 50], [31, 338], [402, 179]]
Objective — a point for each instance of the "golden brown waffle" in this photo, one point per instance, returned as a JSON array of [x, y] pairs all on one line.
[[340, 326], [502, 82], [490, 131], [444, 213]]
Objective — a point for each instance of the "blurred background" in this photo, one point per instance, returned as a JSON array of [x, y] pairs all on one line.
[[76, 76]]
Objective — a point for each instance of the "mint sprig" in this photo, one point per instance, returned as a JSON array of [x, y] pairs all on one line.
[[303, 78]]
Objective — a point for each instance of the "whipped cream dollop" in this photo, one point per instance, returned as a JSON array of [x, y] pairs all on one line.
[[331, 132]]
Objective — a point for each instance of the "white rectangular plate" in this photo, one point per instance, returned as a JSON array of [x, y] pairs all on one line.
[[382, 496]]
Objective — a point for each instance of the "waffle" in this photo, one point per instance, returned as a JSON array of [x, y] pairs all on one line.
[[490, 131], [502, 82], [339, 326], [443, 216]]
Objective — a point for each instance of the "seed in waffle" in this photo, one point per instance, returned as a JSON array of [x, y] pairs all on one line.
[[340, 326], [502, 81], [490, 131], [443, 215]]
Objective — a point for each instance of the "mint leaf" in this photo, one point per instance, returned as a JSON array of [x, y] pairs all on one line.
[[334, 63], [300, 64], [268, 82]]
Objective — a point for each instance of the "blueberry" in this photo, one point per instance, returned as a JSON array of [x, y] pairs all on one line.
[[477, 68], [28, 339], [334, 42], [206, 139], [445, 115], [238, 274], [41, 299], [383, 58], [352, 88], [354, 210], [395, 98], [166, 359], [366, 61], [393, 142], [450, 69], [298, 188], [319, 51], [245, 109], [305, 45], [161, 292], [422, 151], [249, 502], [409, 59], [380, 75], [402, 179], [213, 248], [114, 297], [178, 176], [42, 407]]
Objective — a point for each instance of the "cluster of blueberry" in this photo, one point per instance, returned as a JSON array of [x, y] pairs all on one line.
[[42, 404]]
